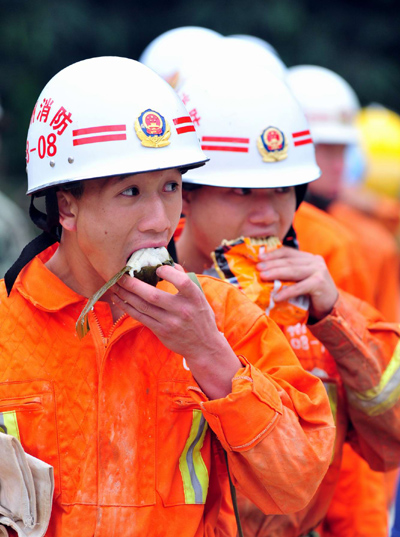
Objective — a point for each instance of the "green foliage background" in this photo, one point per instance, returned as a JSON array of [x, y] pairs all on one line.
[[358, 40]]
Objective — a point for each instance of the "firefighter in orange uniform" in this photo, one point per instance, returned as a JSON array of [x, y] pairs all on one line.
[[331, 107], [135, 417], [252, 189]]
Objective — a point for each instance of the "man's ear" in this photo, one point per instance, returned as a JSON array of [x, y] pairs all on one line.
[[68, 210], [186, 199]]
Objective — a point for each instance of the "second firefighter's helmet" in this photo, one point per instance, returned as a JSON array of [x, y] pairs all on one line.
[[251, 127]]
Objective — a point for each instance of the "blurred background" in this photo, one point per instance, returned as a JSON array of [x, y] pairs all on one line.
[[358, 40]]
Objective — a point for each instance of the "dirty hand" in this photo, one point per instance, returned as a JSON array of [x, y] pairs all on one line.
[[184, 323], [310, 273]]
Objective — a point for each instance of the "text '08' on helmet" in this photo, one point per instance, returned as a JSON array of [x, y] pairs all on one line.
[[329, 102], [252, 129], [107, 116]]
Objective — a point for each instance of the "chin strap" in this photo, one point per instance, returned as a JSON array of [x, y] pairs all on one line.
[[49, 223]]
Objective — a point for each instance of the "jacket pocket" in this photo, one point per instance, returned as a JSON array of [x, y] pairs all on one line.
[[28, 412], [183, 446]]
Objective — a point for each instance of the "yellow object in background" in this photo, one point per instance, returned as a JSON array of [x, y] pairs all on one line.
[[380, 141]]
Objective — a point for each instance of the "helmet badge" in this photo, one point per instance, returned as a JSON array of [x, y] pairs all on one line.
[[272, 145], [152, 129]]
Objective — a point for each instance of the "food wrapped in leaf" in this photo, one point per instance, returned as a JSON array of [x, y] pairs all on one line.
[[142, 264], [235, 261]]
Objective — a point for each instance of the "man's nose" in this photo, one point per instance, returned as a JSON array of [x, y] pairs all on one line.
[[154, 216], [263, 212]]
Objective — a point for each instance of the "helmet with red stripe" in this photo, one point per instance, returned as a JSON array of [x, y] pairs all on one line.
[[106, 116], [97, 118], [251, 127]]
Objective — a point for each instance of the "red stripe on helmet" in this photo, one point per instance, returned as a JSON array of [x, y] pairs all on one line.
[[225, 139], [303, 142], [188, 128], [301, 133], [232, 148], [97, 139], [95, 130], [179, 120]]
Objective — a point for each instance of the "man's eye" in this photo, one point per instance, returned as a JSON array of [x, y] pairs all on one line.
[[242, 191], [282, 189], [171, 187], [132, 191]]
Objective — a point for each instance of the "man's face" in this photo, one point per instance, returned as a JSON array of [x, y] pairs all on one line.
[[117, 216], [215, 213], [330, 158]]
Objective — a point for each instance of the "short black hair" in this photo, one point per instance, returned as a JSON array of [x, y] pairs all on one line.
[[75, 187], [190, 186]]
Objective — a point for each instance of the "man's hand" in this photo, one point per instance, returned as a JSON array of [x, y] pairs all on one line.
[[184, 323], [308, 270]]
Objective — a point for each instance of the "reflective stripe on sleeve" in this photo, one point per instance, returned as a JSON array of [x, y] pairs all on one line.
[[9, 424], [377, 400], [193, 470]]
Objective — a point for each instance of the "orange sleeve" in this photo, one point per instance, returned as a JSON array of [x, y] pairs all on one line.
[[367, 353], [276, 425]]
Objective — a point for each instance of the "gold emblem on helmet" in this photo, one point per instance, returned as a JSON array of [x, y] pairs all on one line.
[[272, 145], [152, 129]]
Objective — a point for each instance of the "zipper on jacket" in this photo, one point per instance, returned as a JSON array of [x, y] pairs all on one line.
[[106, 340]]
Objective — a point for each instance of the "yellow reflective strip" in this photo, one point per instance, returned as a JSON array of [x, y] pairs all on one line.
[[9, 424], [199, 464], [377, 400], [331, 390], [390, 371], [193, 470], [371, 409]]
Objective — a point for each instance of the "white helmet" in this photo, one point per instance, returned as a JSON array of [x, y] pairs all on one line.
[[166, 53], [329, 103], [251, 127], [231, 54], [257, 41], [107, 116]]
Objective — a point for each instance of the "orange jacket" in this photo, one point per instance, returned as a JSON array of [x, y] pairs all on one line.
[[320, 234], [135, 444], [380, 251], [364, 402]]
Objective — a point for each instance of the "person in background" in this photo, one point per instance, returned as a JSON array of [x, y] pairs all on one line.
[[378, 192], [317, 232], [261, 159], [331, 107]]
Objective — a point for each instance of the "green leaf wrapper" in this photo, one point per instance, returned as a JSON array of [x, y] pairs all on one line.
[[146, 274]]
